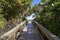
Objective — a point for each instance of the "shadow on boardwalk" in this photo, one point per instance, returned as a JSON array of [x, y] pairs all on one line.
[[29, 33]]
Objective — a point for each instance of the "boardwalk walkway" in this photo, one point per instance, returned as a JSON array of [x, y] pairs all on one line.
[[29, 33]]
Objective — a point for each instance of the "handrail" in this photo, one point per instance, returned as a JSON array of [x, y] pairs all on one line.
[[13, 32], [46, 32]]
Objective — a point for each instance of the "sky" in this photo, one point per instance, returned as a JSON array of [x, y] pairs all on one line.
[[35, 2], [32, 4]]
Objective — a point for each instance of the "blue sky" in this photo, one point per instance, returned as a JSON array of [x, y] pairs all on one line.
[[35, 2]]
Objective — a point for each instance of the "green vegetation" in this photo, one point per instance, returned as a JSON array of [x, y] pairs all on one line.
[[48, 12], [12, 9], [49, 17]]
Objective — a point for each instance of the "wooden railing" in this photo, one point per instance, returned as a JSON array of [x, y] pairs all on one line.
[[13, 33], [16, 31], [44, 33]]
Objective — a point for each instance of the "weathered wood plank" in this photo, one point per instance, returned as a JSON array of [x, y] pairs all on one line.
[[12, 32], [46, 32], [29, 33]]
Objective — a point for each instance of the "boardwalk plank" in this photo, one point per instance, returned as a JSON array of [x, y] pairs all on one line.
[[29, 33]]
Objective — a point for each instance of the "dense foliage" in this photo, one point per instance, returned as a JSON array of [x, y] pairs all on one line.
[[50, 15], [12, 9]]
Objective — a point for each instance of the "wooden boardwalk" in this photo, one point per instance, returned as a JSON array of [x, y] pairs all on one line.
[[29, 33]]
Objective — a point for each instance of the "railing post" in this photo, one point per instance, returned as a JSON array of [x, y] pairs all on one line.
[[13, 33], [46, 34], [14, 36]]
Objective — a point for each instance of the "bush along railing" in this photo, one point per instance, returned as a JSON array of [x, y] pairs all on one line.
[[13, 33], [44, 33]]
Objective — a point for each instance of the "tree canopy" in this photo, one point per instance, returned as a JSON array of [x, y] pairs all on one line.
[[12, 8], [50, 15]]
